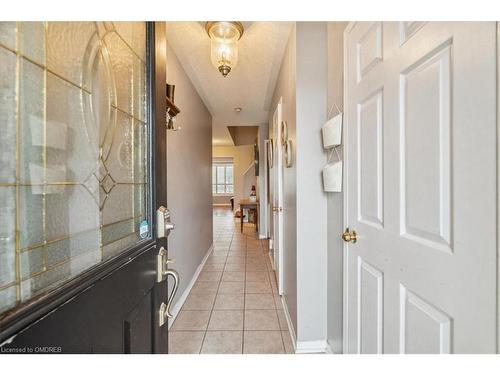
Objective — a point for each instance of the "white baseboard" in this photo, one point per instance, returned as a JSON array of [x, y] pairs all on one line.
[[303, 347], [262, 237], [271, 259], [291, 330], [315, 346], [178, 305], [329, 348]]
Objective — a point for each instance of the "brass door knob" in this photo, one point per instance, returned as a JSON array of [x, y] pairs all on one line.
[[348, 236]]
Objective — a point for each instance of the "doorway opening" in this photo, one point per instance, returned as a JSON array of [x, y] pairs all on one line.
[[233, 293]]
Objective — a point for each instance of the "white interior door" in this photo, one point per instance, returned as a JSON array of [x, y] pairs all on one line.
[[277, 198], [421, 187]]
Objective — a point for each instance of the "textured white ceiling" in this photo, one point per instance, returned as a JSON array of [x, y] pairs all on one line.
[[250, 85]]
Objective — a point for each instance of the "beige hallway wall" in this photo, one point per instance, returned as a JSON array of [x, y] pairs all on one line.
[[286, 91], [189, 176], [302, 86]]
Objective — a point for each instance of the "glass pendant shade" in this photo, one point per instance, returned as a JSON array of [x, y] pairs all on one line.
[[224, 44]]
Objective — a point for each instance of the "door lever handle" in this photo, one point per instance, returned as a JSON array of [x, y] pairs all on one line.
[[175, 276], [165, 307]]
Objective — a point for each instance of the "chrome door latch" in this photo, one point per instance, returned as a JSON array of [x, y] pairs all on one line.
[[163, 223]]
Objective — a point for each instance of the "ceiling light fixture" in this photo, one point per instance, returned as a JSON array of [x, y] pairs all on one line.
[[224, 36]]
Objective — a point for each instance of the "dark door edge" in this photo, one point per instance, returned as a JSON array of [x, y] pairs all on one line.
[[24, 315]]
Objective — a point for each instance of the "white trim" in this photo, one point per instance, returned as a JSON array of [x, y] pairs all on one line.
[[498, 185], [278, 196], [252, 165], [262, 237], [303, 347], [272, 262], [345, 195], [264, 204], [222, 160], [315, 346], [291, 330], [329, 348], [178, 305]]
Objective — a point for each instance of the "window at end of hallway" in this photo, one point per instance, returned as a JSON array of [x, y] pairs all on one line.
[[222, 177]]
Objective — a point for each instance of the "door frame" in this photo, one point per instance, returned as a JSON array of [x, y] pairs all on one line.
[[278, 187], [345, 195], [265, 199], [158, 113], [27, 313], [498, 184]]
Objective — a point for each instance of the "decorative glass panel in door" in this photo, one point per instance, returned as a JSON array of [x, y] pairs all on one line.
[[73, 150]]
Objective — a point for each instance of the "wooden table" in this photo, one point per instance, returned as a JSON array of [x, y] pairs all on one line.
[[250, 205]]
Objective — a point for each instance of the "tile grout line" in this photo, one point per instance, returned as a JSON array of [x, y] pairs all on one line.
[[244, 300], [244, 241], [274, 301], [275, 305], [217, 291], [213, 305]]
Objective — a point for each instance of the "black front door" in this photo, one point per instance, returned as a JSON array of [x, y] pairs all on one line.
[[81, 182]]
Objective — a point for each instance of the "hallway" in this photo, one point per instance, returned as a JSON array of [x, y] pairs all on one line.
[[353, 148], [234, 306]]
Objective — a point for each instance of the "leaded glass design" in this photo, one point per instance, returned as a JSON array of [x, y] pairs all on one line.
[[73, 150]]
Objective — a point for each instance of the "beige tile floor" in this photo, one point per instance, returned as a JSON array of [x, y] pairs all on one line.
[[234, 306]]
